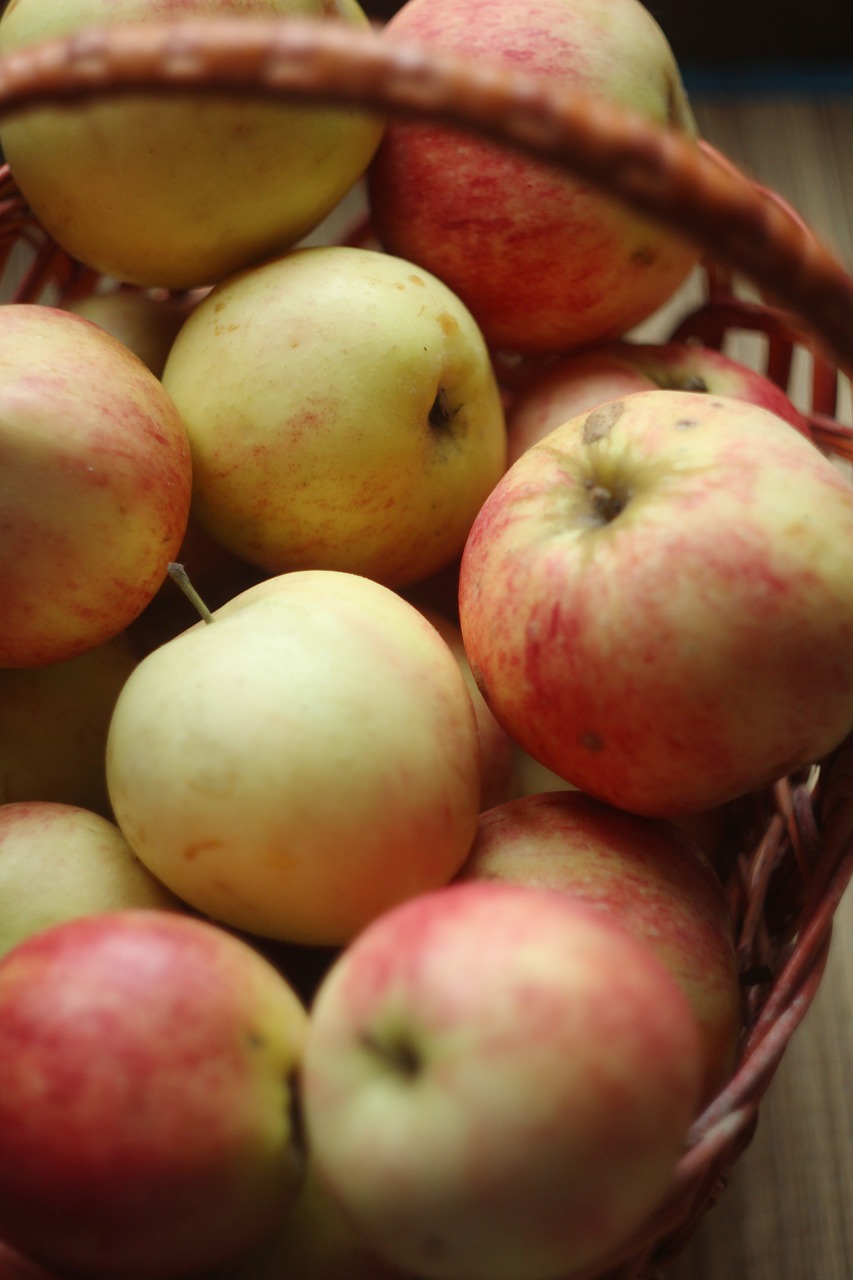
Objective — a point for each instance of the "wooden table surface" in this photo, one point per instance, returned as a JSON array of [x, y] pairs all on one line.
[[788, 1211]]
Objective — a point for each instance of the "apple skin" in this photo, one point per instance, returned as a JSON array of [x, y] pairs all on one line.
[[649, 878], [59, 861], [342, 412], [577, 383], [180, 192], [657, 601], [497, 1083], [497, 755], [147, 1064], [97, 485], [302, 763], [545, 262], [53, 726], [145, 323]]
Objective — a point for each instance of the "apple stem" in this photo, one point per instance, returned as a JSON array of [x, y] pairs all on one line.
[[178, 574]]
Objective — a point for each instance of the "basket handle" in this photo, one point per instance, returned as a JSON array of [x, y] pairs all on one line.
[[659, 172]]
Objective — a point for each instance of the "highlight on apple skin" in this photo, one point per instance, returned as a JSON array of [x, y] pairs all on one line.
[[657, 601]]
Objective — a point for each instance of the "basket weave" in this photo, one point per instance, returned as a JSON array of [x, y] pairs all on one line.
[[791, 846]]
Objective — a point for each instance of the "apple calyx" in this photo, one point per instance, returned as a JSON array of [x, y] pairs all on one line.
[[398, 1053], [441, 415], [179, 575], [606, 502]]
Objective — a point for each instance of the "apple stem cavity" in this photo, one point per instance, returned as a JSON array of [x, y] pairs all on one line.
[[606, 503], [179, 575], [441, 415]]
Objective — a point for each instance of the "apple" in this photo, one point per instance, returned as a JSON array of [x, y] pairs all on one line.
[[649, 878], [313, 1241], [545, 262], [578, 382], [144, 322], [498, 1082], [147, 1067], [97, 485], [342, 413], [496, 746], [53, 726], [58, 861], [305, 761], [657, 601], [180, 191]]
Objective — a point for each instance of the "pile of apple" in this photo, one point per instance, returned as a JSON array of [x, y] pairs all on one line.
[[360, 905]]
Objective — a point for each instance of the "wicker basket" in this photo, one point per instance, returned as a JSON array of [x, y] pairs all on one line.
[[791, 846]]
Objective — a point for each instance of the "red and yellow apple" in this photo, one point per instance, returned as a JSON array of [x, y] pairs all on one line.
[[498, 1082], [648, 877], [97, 480], [544, 260], [576, 383], [657, 601], [147, 1073]]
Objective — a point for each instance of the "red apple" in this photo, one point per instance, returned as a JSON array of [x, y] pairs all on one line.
[[657, 601], [97, 477], [147, 1062], [498, 1082], [648, 877], [576, 383], [544, 261]]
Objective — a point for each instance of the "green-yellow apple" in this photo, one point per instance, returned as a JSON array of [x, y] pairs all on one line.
[[301, 763], [496, 746], [147, 1075], [58, 861], [545, 262], [657, 601], [145, 322], [53, 726], [96, 485], [580, 381], [498, 1082], [181, 191], [649, 878], [342, 412]]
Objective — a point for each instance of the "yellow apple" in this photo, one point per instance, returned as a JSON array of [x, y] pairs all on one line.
[[58, 861], [342, 413], [180, 192], [301, 763]]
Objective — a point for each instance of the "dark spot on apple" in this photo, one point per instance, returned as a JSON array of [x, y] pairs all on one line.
[[396, 1052], [683, 424], [254, 1039], [592, 741], [602, 420], [645, 256]]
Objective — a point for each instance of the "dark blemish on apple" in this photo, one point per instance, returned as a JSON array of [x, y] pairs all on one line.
[[416, 280], [448, 324], [684, 424], [591, 741], [645, 256], [254, 1039], [602, 420], [398, 1053]]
